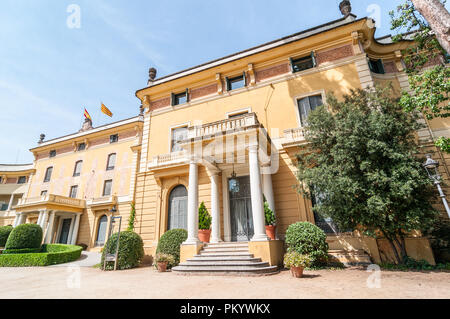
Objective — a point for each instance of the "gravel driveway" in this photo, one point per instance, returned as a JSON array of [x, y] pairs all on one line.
[[145, 282]]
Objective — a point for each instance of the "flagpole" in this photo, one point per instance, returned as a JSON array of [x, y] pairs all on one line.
[[98, 115]]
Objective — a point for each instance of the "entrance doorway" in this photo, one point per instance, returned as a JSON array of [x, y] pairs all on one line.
[[65, 229], [178, 200], [101, 231], [241, 211]]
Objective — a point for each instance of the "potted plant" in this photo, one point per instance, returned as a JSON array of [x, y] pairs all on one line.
[[297, 263], [204, 224], [161, 261], [270, 221]]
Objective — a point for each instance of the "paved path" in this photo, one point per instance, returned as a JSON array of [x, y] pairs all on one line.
[[146, 282], [87, 259]]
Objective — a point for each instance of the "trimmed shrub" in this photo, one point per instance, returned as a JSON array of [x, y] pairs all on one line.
[[308, 239], [4, 234], [51, 254], [23, 251], [25, 236], [204, 218], [131, 250], [170, 243]]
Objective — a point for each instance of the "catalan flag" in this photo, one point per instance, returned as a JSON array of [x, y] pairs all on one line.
[[86, 114], [106, 111]]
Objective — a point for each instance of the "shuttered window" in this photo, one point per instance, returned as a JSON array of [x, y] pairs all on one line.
[[303, 63], [306, 105]]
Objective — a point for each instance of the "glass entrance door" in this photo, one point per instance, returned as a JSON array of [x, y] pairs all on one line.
[[65, 229], [241, 211]]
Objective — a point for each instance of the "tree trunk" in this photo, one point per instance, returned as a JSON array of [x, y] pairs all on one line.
[[438, 18]]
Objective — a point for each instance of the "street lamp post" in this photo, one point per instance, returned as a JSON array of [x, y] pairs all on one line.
[[431, 166]]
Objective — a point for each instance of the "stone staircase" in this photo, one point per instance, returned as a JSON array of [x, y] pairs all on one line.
[[225, 259], [351, 257]]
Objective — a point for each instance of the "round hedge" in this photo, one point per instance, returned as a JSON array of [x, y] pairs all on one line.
[[4, 234], [170, 243], [25, 236], [308, 239], [131, 250]]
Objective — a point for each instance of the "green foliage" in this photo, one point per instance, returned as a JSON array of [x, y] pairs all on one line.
[[269, 215], [131, 250], [439, 236], [170, 243], [25, 236], [51, 254], [4, 234], [361, 159], [307, 239], [443, 143], [412, 264], [430, 88], [132, 218], [204, 219], [161, 258], [22, 251], [294, 259]]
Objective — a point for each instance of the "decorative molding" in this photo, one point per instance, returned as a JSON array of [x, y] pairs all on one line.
[[251, 72], [219, 83]]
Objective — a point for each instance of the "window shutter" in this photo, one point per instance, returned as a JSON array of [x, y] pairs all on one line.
[[244, 77], [187, 96], [172, 99], [381, 66], [371, 65], [313, 58], [228, 83], [291, 62]]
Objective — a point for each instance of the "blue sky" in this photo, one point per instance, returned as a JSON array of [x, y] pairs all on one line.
[[49, 72]]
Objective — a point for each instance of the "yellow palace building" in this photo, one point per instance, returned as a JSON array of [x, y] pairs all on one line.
[[225, 133]]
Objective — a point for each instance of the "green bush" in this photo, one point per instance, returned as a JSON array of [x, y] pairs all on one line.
[[51, 254], [269, 215], [308, 239], [204, 218], [170, 243], [131, 250], [22, 251], [25, 236], [4, 234]]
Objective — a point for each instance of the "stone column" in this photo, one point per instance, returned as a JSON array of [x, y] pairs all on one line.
[[11, 200], [16, 220], [72, 222], [76, 227], [257, 195], [268, 193], [49, 234], [43, 219], [21, 219], [215, 208], [192, 205]]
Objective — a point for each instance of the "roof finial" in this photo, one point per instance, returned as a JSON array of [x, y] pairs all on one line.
[[151, 75], [41, 138], [346, 7]]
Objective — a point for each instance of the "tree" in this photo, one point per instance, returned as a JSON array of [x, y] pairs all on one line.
[[427, 22], [360, 161], [132, 218]]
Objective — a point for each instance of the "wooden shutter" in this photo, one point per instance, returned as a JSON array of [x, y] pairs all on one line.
[[291, 62], [313, 58], [187, 96], [381, 66], [172, 99], [244, 77], [227, 80]]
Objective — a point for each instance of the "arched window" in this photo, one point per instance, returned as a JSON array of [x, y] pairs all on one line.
[[101, 231], [48, 174], [77, 169], [111, 162], [177, 208]]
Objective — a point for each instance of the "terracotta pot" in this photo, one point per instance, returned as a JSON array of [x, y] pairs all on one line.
[[162, 266], [270, 231], [204, 235], [297, 272]]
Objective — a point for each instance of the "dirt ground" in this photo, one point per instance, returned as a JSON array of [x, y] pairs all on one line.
[[145, 282]]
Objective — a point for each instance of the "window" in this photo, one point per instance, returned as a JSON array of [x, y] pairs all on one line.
[[180, 98], [230, 116], [52, 153], [48, 174], [304, 63], [178, 134], [236, 82], [114, 138], [43, 193], [111, 162], [307, 105], [81, 147], [3, 206], [73, 191], [22, 180], [107, 187], [77, 169], [376, 66]]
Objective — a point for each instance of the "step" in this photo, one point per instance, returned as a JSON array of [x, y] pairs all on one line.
[[230, 258], [227, 244], [227, 263], [224, 254], [230, 249], [225, 270]]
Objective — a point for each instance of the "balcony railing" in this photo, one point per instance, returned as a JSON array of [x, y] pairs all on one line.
[[224, 126], [294, 136], [100, 201], [168, 159], [51, 199]]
